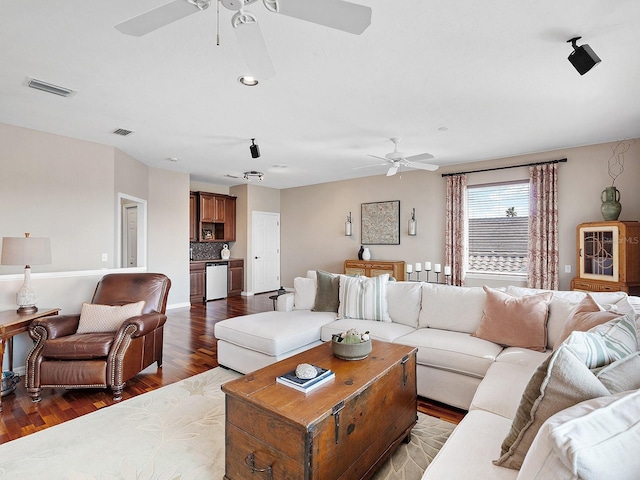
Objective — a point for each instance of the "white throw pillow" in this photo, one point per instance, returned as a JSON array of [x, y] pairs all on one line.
[[364, 298], [447, 307], [304, 293], [592, 440], [95, 318], [403, 300]]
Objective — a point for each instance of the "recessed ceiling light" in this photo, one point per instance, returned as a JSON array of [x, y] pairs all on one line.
[[173, 159], [248, 81]]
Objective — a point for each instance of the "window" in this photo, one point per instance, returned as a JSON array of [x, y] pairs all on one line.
[[498, 228]]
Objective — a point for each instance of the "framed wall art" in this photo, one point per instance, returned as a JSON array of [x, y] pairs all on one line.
[[380, 223]]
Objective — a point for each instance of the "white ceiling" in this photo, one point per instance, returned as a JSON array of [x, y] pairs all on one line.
[[463, 80]]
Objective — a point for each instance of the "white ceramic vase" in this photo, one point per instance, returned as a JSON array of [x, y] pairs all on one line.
[[366, 255]]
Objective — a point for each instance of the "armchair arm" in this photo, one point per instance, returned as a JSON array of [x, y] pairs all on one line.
[[144, 323], [54, 326]]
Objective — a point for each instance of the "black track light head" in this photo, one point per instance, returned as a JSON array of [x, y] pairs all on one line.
[[254, 149], [583, 58]]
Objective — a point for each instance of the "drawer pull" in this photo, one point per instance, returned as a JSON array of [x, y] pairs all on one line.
[[250, 462]]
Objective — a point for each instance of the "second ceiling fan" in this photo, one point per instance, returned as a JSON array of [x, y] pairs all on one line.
[[339, 14], [397, 159]]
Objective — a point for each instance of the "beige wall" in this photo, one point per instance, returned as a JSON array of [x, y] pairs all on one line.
[[313, 217], [61, 188], [67, 189]]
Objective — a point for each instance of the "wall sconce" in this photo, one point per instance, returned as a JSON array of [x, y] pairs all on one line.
[[26, 251], [347, 226], [412, 223]]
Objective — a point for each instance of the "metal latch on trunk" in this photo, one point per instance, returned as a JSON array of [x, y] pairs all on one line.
[[335, 411]]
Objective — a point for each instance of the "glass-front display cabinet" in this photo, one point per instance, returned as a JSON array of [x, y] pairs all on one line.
[[608, 257]]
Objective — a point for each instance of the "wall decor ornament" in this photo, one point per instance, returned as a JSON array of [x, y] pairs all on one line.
[[360, 252], [381, 223], [366, 254]]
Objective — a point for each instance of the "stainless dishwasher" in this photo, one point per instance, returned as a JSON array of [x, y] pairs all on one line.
[[216, 280]]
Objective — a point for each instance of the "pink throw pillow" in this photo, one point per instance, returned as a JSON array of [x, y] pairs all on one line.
[[586, 315], [515, 321]]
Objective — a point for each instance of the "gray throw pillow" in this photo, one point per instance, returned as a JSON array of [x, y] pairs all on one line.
[[327, 292], [622, 375]]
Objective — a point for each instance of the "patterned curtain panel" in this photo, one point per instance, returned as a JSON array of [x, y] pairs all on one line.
[[455, 234], [543, 227]]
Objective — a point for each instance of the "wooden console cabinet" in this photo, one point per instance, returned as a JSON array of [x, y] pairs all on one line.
[[608, 257], [373, 268]]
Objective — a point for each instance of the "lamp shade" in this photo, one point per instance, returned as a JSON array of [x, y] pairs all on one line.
[[25, 251]]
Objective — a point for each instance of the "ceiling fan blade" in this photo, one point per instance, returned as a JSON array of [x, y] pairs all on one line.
[[158, 17], [346, 16], [422, 166], [254, 50], [370, 166], [417, 158], [381, 158], [392, 170]]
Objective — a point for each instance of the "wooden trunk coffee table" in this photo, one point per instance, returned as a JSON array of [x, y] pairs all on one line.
[[344, 429]]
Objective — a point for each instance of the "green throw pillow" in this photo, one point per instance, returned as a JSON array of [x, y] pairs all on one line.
[[560, 382], [327, 292]]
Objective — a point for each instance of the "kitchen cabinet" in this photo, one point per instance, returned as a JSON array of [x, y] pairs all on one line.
[[608, 257], [193, 217], [197, 273], [215, 218], [235, 281]]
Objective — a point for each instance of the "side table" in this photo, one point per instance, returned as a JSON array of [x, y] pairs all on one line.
[[13, 323]]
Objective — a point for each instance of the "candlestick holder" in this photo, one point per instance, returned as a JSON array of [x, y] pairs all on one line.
[[447, 279], [409, 276], [437, 275], [427, 273]]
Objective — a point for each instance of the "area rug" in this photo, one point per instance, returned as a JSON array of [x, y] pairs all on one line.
[[175, 432]]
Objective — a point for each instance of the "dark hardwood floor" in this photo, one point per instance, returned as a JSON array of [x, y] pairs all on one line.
[[189, 349]]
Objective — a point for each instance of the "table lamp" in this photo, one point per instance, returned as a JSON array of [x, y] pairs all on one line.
[[26, 251]]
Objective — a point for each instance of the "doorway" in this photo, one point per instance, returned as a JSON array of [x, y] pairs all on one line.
[[266, 251], [132, 231]]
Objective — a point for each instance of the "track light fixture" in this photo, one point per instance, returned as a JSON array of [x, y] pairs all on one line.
[[254, 149], [583, 58], [247, 175]]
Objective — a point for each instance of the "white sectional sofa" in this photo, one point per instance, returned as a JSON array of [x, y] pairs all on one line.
[[453, 366]]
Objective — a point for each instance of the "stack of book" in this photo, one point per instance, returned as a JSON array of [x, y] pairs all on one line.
[[306, 385]]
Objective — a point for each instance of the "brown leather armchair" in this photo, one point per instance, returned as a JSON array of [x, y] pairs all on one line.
[[63, 358]]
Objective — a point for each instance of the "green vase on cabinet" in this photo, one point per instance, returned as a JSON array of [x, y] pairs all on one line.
[[610, 207]]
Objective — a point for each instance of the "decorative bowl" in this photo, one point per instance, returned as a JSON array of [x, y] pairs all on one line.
[[351, 351]]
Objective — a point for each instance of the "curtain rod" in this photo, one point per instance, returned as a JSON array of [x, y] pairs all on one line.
[[562, 160]]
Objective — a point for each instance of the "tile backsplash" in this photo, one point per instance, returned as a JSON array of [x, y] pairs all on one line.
[[205, 250]]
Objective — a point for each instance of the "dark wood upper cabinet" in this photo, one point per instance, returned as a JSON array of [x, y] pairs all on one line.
[[215, 218]]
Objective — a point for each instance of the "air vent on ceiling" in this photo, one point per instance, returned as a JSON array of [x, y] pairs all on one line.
[[122, 131], [50, 88]]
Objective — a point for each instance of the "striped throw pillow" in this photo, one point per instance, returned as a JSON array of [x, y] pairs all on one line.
[[606, 343], [364, 298]]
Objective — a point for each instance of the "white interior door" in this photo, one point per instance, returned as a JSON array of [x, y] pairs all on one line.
[[130, 242], [266, 251]]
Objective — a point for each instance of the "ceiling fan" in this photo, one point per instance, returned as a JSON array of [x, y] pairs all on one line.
[[397, 159], [339, 14]]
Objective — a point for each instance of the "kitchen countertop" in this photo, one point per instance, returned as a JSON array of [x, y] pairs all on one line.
[[214, 260]]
